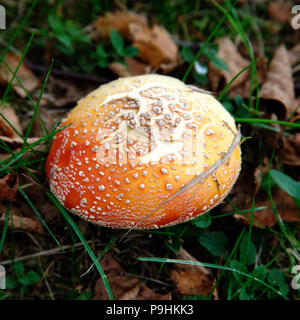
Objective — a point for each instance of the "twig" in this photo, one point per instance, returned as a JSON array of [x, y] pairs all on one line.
[[46, 280], [65, 74], [187, 43], [57, 250]]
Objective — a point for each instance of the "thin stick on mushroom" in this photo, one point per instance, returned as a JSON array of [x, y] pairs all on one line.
[[198, 179]]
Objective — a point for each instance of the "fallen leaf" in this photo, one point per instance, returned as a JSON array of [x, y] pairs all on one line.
[[8, 187], [285, 205], [156, 46], [297, 116], [119, 21], [290, 152], [136, 67], [123, 286], [245, 190], [277, 92], [16, 142], [133, 68], [272, 138], [37, 195], [19, 222], [192, 280], [26, 76], [9, 113], [61, 92], [15, 145], [228, 52], [280, 11], [243, 89], [294, 54], [48, 122]]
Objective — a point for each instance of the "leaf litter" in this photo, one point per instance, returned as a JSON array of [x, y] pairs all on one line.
[[158, 52], [25, 75], [156, 47]]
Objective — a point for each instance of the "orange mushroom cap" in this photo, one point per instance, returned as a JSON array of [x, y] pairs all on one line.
[[131, 147]]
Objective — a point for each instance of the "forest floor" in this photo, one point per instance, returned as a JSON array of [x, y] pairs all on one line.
[[247, 53]]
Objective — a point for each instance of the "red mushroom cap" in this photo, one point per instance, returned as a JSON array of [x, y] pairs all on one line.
[[137, 141]]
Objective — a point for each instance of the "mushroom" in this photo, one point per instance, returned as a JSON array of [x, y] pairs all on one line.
[[144, 152]]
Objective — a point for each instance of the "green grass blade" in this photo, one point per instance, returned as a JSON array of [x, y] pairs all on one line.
[[286, 183], [105, 249], [18, 155], [249, 234], [202, 48], [237, 25], [5, 227], [20, 26], [233, 251], [25, 90], [238, 211], [284, 229], [86, 245], [12, 127], [17, 69], [225, 89], [39, 216], [268, 121], [37, 104], [213, 266], [246, 283]]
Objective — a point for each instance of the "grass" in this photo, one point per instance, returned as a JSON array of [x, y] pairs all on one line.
[[252, 268]]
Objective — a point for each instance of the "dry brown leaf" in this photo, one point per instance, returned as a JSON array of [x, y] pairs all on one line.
[[8, 187], [294, 54], [133, 68], [156, 46], [48, 121], [19, 222], [277, 92], [26, 76], [272, 138], [290, 152], [228, 52], [119, 21], [242, 196], [136, 67], [192, 279], [286, 207], [16, 142], [38, 196], [61, 92], [296, 117], [9, 113], [243, 89], [123, 286], [280, 11], [120, 69]]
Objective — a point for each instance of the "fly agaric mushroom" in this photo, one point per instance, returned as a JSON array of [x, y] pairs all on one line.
[[144, 152]]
